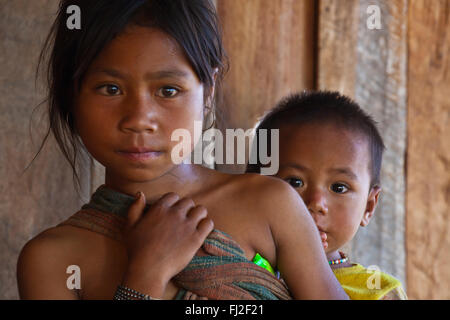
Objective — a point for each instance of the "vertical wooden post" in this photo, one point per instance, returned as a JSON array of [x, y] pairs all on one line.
[[369, 65], [270, 45], [428, 166]]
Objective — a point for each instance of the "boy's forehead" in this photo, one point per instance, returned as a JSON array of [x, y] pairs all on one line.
[[325, 143]]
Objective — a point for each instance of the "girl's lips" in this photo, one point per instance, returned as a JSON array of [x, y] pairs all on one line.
[[140, 156]]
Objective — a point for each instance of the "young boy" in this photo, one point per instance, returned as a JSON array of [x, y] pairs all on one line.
[[330, 151]]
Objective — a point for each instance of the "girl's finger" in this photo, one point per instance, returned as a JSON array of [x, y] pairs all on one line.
[[167, 200], [135, 210], [197, 213], [204, 227]]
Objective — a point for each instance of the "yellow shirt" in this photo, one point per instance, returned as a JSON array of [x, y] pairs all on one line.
[[366, 284]]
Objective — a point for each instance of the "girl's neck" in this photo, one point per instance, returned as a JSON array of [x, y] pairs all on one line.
[[182, 180]]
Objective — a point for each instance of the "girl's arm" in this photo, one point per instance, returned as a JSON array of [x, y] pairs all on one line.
[[160, 243], [301, 259]]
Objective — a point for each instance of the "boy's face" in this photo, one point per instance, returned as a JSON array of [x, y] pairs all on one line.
[[329, 168]]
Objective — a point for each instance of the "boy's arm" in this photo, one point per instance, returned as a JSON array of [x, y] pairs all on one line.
[[300, 256], [41, 270]]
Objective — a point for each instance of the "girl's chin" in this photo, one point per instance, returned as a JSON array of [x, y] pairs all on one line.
[[139, 174]]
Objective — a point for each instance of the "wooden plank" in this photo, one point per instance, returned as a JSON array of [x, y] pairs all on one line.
[[428, 174], [337, 36], [270, 45], [369, 65]]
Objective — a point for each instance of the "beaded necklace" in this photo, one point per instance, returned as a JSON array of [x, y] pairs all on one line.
[[343, 259]]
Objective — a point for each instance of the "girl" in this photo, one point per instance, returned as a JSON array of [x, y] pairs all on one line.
[[135, 72]]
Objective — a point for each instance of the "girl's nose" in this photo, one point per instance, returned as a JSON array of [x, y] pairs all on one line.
[[139, 116]]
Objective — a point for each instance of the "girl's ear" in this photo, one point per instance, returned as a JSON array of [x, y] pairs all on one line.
[[372, 201], [213, 88], [210, 97]]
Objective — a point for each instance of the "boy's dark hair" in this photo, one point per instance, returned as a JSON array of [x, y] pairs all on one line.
[[192, 23], [324, 107]]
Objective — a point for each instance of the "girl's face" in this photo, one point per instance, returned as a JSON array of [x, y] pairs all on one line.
[[135, 94], [329, 168]]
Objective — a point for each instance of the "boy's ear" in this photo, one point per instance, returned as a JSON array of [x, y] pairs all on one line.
[[372, 201]]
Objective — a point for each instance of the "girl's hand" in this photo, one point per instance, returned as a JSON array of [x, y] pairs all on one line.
[[162, 241]]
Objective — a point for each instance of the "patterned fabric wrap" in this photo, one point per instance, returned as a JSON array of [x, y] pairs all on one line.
[[219, 270]]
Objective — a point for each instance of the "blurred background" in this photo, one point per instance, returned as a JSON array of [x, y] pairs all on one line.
[[391, 56]]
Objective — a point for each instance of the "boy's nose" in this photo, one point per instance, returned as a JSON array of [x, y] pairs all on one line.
[[316, 202]]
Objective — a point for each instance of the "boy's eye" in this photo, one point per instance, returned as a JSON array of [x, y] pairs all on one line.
[[339, 188], [295, 182], [111, 89], [168, 92]]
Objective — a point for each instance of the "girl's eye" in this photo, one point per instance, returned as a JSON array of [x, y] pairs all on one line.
[[295, 182], [168, 92], [111, 89], [339, 188]]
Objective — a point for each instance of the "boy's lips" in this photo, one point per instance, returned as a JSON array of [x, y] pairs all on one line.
[[321, 229]]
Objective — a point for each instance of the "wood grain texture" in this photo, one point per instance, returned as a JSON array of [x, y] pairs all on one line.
[[337, 37], [270, 45], [44, 195], [428, 170], [369, 65]]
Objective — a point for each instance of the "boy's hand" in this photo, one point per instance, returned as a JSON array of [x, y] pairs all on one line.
[[163, 240], [323, 236]]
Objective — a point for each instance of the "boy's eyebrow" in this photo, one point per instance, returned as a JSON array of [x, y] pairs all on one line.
[[171, 73], [295, 166], [345, 171]]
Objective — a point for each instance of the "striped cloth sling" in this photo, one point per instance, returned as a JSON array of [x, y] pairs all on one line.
[[219, 270]]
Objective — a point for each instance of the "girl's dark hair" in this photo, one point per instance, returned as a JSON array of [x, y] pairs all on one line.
[[192, 23], [323, 107]]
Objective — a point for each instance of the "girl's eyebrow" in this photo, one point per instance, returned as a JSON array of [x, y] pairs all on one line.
[[170, 73]]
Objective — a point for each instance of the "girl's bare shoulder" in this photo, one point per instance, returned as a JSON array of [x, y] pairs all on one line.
[[271, 201], [265, 193], [257, 194], [42, 264], [52, 245], [64, 242]]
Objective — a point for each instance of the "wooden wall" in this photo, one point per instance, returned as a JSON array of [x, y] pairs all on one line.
[[265, 41], [398, 73], [428, 160], [370, 66], [43, 195]]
